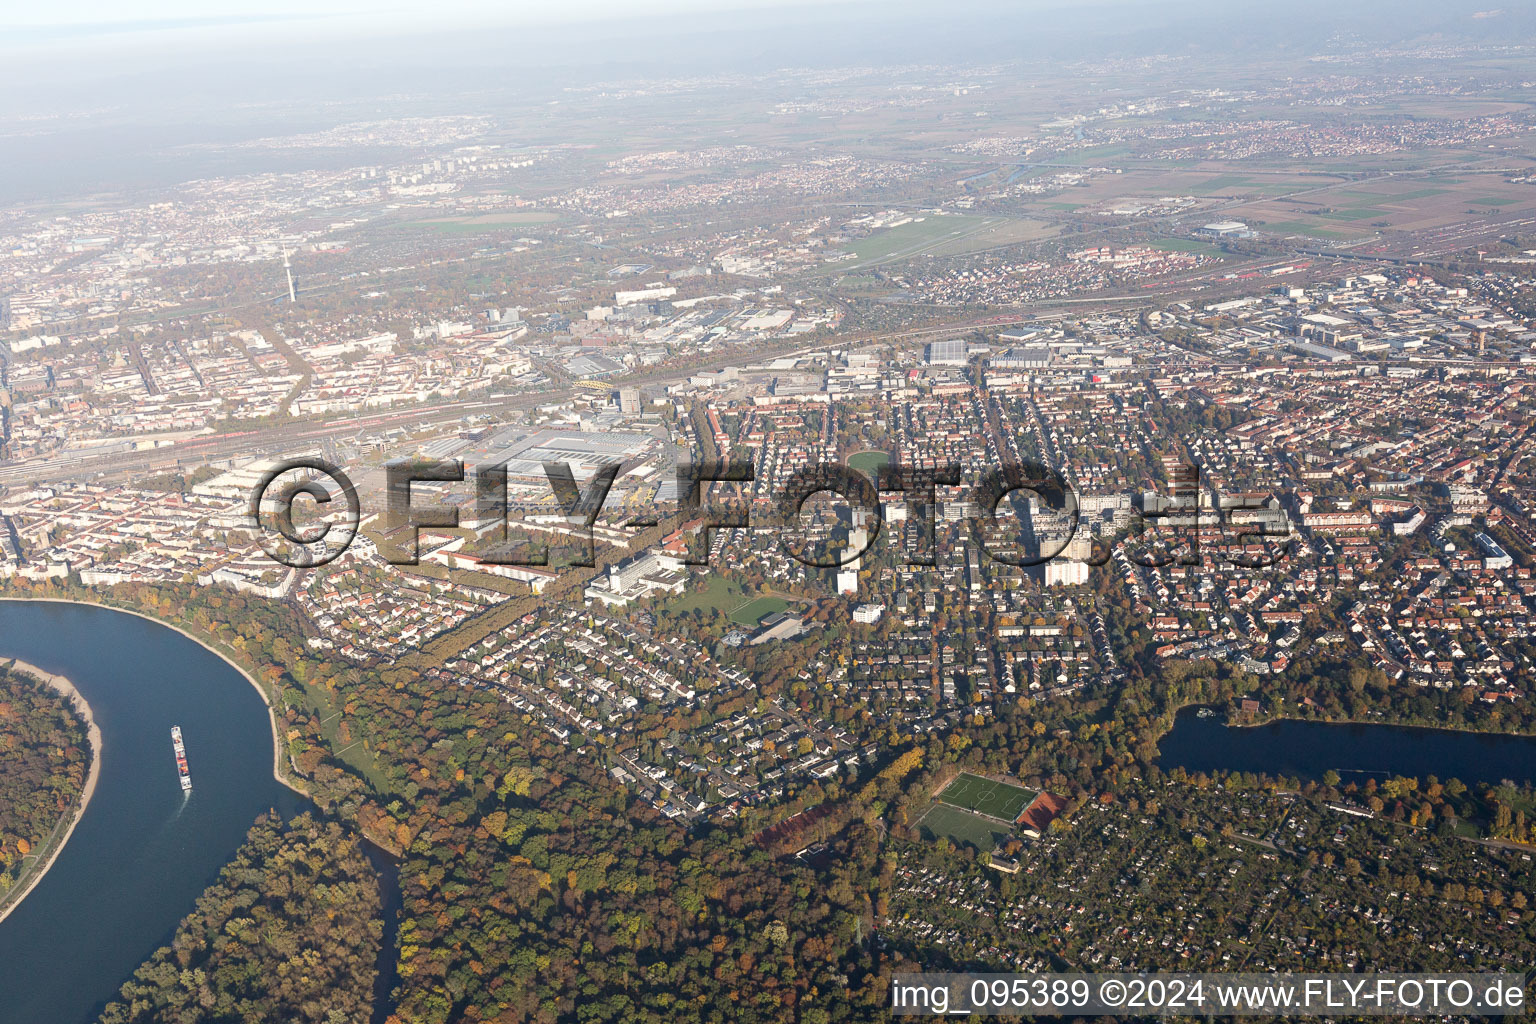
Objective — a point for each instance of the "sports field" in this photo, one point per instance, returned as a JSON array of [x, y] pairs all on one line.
[[868, 462], [963, 827], [720, 592], [714, 590], [758, 609], [994, 799]]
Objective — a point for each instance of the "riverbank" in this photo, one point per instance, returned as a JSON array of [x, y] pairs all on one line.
[[144, 851], [56, 843], [278, 745], [1256, 722]]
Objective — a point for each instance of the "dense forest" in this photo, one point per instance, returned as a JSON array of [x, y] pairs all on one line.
[[290, 932], [46, 757], [543, 893]]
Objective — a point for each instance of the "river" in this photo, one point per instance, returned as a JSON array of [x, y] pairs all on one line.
[[1306, 750], [142, 852]]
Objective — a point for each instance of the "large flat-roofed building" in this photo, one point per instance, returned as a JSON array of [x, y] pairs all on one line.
[[1323, 352], [241, 482], [778, 626], [585, 450], [637, 578], [1226, 229], [949, 352], [625, 298], [1494, 555], [1022, 359]]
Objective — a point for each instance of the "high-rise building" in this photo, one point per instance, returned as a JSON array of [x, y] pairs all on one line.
[[629, 401]]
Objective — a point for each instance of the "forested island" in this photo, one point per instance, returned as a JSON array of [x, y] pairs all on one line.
[[46, 755], [290, 932]]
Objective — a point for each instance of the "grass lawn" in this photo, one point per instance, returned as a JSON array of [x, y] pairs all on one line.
[[993, 233], [1105, 152], [962, 827], [742, 606], [1298, 227], [710, 591], [1185, 245], [944, 236], [997, 799], [1493, 201], [757, 609], [868, 462], [912, 236]]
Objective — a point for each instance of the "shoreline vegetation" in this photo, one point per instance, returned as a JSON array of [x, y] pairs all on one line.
[[1464, 730], [292, 889], [1255, 721], [56, 842], [267, 828], [278, 745]]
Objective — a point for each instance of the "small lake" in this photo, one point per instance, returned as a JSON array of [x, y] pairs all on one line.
[[142, 853], [1307, 750]]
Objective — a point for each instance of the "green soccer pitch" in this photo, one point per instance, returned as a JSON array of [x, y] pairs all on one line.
[[994, 799]]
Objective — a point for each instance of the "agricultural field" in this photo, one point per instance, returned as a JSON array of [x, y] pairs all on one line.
[[1474, 205], [1332, 203]]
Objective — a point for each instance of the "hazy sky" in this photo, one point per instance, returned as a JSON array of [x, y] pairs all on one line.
[[60, 13]]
